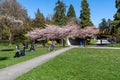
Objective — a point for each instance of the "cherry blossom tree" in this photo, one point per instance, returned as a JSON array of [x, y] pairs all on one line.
[[56, 32], [50, 32], [12, 23], [14, 15]]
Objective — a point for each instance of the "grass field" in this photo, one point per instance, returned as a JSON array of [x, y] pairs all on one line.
[[6, 57], [114, 45], [79, 64]]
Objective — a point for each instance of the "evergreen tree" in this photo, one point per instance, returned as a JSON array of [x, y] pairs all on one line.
[[104, 26], [117, 4], [71, 12], [115, 24], [59, 17], [117, 14], [108, 22], [117, 35], [39, 21], [85, 15], [48, 19]]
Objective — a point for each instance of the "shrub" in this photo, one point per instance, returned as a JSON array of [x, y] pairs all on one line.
[[117, 35], [49, 42]]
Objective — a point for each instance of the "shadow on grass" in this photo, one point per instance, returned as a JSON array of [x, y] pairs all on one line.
[[7, 50], [4, 58], [101, 45]]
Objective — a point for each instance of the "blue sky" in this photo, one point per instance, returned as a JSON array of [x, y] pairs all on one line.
[[99, 8]]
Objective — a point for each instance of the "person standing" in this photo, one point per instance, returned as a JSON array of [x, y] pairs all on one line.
[[52, 45]]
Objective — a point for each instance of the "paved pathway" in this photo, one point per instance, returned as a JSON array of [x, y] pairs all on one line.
[[12, 72]]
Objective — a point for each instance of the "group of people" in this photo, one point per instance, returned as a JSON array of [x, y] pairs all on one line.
[[20, 53]]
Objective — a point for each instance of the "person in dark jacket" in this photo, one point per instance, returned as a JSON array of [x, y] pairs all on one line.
[[22, 52]]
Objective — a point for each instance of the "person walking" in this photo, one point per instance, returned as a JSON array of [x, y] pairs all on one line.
[[52, 45]]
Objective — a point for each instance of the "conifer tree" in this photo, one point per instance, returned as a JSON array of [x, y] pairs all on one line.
[[104, 26], [85, 14], [116, 22], [39, 21], [59, 16], [71, 12], [117, 15]]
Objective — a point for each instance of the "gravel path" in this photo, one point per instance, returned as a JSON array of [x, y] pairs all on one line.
[[12, 72]]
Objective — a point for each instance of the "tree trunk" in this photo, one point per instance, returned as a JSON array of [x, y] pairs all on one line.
[[101, 41], [43, 43], [85, 42], [0, 33], [10, 38], [63, 42]]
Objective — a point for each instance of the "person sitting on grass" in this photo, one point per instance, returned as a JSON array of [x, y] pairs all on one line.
[[26, 45], [22, 52], [17, 55], [17, 48], [32, 48], [17, 51]]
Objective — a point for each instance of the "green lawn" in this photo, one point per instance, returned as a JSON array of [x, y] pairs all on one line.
[[79, 64], [114, 45], [6, 57], [92, 41]]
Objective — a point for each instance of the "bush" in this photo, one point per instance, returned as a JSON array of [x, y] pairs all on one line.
[[4, 42], [117, 35], [49, 42]]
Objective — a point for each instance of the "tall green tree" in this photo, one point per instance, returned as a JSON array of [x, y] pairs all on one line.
[[115, 24], [117, 4], [104, 26], [85, 14], [49, 19], [14, 13], [117, 14], [71, 12], [39, 21], [117, 35], [59, 16]]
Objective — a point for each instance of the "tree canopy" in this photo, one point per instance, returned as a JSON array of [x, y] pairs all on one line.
[[12, 8], [13, 14], [56, 32], [105, 26]]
